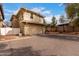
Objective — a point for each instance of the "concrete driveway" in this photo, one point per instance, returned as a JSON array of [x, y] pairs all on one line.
[[41, 45]]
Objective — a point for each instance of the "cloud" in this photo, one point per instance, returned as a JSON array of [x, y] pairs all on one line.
[[61, 4], [57, 18], [7, 14], [45, 12], [42, 10], [65, 18], [9, 11], [38, 9], [48, 19], [15, 12]]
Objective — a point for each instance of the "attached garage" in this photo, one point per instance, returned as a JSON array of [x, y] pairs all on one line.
[[32, 28]]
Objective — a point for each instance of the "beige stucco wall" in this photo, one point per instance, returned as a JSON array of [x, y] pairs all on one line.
[[25, 17], [66, 28], [21, 27], [9, 31], [15, 23], [1, 24], [1, 16], [33, 29], [1, 20], [36, 18]]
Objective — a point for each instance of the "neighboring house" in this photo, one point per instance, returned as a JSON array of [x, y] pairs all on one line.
[[14, 22], [65, 27], [1, 16], [28, 21]]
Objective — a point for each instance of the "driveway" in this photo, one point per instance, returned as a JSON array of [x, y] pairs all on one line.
[[41, 45]]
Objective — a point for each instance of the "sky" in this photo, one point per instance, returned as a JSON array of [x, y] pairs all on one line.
[[46, 9]]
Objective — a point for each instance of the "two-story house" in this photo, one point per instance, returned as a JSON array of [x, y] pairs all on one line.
[[1, 16], [28, 21]]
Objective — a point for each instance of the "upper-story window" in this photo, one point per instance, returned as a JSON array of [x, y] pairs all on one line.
[[31, 16]]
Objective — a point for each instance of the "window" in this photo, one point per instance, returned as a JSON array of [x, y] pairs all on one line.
[[31, 15]]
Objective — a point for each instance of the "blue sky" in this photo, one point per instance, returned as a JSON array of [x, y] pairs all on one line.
[[46, 9]]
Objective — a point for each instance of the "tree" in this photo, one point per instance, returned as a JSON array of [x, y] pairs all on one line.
[[61, 20], [76, 22], [72, 11], [54, 22]]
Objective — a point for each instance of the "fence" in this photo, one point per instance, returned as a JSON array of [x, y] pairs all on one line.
[[67, 29], [9, 31]]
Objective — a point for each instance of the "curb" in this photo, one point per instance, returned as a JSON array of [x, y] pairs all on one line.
[[15, 39]]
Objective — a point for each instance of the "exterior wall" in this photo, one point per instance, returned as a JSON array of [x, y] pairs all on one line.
[[76, 29], [41, 20], [36, 18], [1, 16], [1, 20], [26, 16], [60, 28], [54, 29], [67, 28], [28, 28], [33, 29], [15, 23], [9, 31], [1, 24], [22, 28]]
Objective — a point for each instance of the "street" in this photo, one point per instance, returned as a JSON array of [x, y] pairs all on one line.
[[41, 45]]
